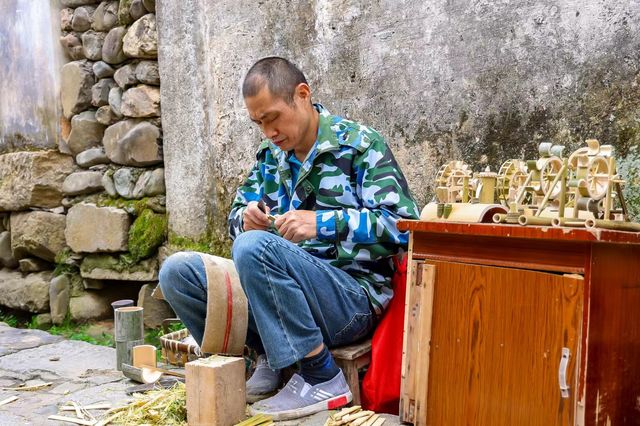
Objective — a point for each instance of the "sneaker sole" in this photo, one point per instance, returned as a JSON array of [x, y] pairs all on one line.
[[327, 404], [259, 397]]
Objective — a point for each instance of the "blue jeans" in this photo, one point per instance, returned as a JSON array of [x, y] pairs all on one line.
[[296, 301]]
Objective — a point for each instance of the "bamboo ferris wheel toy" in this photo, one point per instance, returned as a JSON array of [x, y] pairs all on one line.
[[581, 190]]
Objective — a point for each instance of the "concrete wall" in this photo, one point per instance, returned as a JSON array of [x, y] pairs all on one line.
[[479, 80]]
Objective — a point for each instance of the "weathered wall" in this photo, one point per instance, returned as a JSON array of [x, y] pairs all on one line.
[[480, 80], [29, 60]]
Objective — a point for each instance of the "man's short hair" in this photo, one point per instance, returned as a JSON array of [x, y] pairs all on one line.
[[278, 74]]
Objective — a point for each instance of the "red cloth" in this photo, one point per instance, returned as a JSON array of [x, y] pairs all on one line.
[[381, 384]]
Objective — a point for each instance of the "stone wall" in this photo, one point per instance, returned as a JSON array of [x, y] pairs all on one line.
[[478, 80], [86, 220]]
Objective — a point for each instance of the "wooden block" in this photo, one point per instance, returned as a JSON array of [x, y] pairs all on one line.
[[215, 391]]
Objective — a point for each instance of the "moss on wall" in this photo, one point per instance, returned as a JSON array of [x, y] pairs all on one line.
[[146, 234]]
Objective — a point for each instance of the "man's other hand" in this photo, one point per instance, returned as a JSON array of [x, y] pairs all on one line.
[[297, 225], [254, 218]]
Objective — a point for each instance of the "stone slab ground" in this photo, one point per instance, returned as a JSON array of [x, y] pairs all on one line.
[[79, 372]]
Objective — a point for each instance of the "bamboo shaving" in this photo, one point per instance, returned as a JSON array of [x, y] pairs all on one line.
[[166, 407], [354, 416]]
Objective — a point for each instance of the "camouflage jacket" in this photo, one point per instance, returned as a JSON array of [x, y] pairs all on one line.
[[352, 181]]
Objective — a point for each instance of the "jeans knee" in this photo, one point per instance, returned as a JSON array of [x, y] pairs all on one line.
[[175, 271], [246, 247]]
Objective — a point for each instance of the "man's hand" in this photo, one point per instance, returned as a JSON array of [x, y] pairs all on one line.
[[254, 218], [297, 225]]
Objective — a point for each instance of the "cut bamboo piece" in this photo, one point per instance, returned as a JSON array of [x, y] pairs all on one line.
[[215, 391], [8, 400], [129, 332], [163, 371], [140, 375], [72, 420], [616, 225], [257, 420], [144, 355], [499, 218], [464, 212], [128, 324], [562, 221], [534, 220]]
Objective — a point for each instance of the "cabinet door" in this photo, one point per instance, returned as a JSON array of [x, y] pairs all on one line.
[[497, 339]]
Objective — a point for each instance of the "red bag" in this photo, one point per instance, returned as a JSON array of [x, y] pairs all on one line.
[[381, 383]]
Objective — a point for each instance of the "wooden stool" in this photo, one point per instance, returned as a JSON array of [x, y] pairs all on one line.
[[351, 359]]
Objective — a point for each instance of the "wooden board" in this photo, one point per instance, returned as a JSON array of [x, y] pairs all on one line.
[[526, 232], [613, 358], [415, 353], [496, 343], [537, 254]]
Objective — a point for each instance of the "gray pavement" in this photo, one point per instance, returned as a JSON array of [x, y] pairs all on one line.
[[79, 372]]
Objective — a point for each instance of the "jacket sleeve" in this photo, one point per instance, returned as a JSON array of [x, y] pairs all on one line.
[[370, 232], [251, 190]]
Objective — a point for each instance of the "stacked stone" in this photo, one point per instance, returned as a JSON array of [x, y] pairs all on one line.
[[111, 126], [32, 224]]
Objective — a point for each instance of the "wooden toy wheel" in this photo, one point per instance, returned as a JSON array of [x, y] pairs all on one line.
[[511, 177], [548, 174], [450, 181]]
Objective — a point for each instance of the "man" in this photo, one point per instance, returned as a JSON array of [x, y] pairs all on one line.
[[314, 229]]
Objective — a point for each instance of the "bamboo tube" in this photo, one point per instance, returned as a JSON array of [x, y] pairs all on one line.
[[499, 218], [561, 221], [129, 332], [616, 225], [534, 220]]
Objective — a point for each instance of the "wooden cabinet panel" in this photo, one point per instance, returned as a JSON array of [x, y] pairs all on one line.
[[496, 343]]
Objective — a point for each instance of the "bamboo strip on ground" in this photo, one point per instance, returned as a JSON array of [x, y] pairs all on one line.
[[29, 388], [8, 400], [72, 420]]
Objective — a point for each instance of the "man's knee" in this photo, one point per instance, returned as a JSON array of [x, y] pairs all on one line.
[[176, 270], [248, 245]]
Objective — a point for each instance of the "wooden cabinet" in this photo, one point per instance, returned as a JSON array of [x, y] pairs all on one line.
[[510, 325]]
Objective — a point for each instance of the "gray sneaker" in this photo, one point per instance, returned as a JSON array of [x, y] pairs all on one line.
[[299, 399], [264, 381]]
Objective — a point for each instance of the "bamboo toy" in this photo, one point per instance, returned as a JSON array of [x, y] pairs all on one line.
[[129, 332]]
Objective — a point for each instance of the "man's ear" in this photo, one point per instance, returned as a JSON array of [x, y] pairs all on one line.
[[303, 93]]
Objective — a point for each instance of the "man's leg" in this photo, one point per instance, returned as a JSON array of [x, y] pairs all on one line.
[[183, 282], [300, 303]]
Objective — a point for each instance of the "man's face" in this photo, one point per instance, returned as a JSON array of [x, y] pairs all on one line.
[[285, 124]]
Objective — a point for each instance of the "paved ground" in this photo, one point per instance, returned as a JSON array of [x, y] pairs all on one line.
[[79, 372]]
